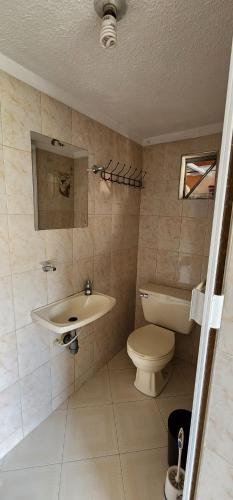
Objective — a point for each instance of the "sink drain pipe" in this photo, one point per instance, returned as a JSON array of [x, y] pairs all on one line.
[[70, 340]]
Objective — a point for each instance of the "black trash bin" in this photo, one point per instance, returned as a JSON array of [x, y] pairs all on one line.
[[176, 420]]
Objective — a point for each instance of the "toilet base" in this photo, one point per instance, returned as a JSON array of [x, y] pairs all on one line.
[[150, 383]]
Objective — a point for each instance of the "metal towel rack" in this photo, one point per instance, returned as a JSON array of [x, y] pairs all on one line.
[[128, 176]]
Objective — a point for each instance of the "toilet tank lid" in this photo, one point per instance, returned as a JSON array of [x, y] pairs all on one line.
[[179, 293]]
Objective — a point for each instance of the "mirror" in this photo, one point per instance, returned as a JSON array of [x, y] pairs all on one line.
[[60, 183], [198, 176]]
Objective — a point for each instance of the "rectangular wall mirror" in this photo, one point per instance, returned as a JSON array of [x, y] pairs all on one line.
[[198, 176], [60, 183]]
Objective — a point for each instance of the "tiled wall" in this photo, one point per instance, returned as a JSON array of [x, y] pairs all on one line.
[[216, 466], [36, 376], [174, 234]]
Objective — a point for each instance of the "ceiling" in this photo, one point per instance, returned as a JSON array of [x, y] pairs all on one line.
[[167, 74]]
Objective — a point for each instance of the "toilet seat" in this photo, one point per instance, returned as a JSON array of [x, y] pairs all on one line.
[[151, 342]]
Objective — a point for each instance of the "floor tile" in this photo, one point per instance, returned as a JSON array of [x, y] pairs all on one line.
[[144, 474], [41, 483], [181, 382], [121, 361], [95, 391], [43, 446], [167, 405], [122, 386], [95, 479], [139, 426], [90, 432]]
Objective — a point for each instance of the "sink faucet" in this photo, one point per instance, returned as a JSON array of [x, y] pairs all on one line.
[[88, 287]]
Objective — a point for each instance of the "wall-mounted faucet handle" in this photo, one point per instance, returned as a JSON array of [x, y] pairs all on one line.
[[88, 287], [48, 265]]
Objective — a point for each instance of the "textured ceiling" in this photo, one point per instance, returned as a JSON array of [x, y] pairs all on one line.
[[168, 72]]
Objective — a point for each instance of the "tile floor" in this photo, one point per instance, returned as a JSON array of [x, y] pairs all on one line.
[[108, 442]]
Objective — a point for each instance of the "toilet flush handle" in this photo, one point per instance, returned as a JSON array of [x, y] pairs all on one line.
[[144, 295]]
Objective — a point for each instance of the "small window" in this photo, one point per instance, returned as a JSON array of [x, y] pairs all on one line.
[[198, 176]]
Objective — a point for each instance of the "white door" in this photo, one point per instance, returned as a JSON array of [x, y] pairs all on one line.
[[209, 299]]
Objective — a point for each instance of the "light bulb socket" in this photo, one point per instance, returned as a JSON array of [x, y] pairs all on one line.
[[110, 10], [117, 7]]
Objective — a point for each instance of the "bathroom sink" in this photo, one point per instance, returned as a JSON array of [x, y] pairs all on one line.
[[73, 312]]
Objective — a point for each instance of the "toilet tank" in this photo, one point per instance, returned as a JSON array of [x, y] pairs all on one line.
[[167, 307]]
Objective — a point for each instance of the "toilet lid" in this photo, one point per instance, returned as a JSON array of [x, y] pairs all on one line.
[[151, 341]]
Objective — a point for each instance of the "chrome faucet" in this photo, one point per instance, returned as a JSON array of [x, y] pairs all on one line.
[[88, 287]]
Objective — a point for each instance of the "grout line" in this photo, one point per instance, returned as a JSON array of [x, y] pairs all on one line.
[[144, 449], [117, 438], [84, 459], [162, 416], [39, 466], [62, 454]]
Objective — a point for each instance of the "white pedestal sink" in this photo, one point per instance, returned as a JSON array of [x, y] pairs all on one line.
[[73, 312]]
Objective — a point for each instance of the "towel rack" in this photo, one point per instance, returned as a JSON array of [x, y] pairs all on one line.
[[121, 174]]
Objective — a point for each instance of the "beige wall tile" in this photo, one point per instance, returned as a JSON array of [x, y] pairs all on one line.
[[85, 358], [124, 231], [167, 266], [150, 204], [102, 273], [216, 477], [83, 270], [153, 163], [192, 236], [81, 130], [7, 323], [18, 175], [56, 119], [148, 231], [2, 173], [102, 234], [190, 268], [62, 372], [0, 125], [83, 241], [58, 245], [220, 433], [103, 196], [225, 335], [169, 233], [125, 200], [146, 267], [30, 292], [8, 360], [170, 207], [60, 282], [33, 342], [10, 414], [36, 397], [5, 267], [195, 208], [27, 246], [20, 108], [172, 159]]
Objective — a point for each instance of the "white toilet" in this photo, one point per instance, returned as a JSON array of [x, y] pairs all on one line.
[[151, 347]]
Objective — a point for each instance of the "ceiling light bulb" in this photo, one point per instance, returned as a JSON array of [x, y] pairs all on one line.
[[108, 32], [110, 11]]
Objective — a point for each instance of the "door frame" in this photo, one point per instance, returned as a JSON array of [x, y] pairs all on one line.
[[223, 169]]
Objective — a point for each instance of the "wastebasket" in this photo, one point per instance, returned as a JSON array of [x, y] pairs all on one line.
[[176, 420]]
